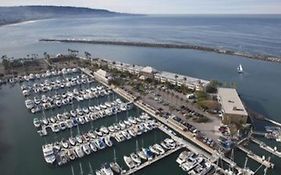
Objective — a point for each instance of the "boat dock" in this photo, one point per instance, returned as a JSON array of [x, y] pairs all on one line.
[[169, 152], [262, 145], [255, 157], [273, 122]]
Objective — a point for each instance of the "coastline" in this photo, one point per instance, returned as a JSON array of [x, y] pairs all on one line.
[[270, 58]]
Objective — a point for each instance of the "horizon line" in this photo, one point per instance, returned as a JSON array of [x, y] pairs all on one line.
[[140, 13]]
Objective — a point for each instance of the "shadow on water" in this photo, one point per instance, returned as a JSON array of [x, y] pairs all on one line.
[[4, 147]]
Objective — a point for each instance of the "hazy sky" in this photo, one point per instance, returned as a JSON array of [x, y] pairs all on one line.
[[166, 6]]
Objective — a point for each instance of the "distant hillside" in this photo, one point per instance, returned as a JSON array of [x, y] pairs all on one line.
[[17, 14]]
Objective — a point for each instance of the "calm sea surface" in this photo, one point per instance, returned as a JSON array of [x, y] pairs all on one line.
[[259, 86]]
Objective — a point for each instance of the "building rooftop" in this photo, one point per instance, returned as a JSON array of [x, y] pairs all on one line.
[[230, 101], [182, 78]]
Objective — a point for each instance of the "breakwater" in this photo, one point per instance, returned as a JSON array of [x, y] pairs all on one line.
[[168, 45]]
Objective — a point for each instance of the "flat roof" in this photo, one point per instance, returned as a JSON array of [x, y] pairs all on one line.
[[231, 102]]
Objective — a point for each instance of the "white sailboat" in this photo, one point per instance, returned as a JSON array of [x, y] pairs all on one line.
[[240, 69]]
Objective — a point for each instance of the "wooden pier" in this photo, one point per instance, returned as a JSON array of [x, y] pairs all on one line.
[[255, 157]]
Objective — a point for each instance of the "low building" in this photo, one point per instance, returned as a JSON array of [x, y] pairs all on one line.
[[233, 110], [148, 72], [102, 75], [177, 79]]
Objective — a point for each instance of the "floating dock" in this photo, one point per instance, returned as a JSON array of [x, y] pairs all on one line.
[[147, 163], [262, 145], [255, 157]]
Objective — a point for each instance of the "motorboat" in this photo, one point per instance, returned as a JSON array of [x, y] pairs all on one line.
[[141, 155], [99, 143], [86, 148], [48, 153], [29, 104], [79, 139], [71, 154], [36, 122], [106, 170], [93, 146], [129, 162], [159, 148], [107, 141], [64, 144], [147, 153], [72, 141], [153, 150], [115, 167], [79, 151], [135, 158]]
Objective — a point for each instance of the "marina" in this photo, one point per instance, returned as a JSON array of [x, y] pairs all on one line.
[[79, 116]]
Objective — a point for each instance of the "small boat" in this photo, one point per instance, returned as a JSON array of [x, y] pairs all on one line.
[[240, 69]]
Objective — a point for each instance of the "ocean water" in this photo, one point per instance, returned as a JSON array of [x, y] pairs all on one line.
[[259, 86]]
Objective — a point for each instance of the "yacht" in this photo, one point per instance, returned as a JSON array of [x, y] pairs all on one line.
[[126, 134], [106, 170], [55, 128], [182, 157], [92, 146], [48, 153], [72, 141], [36, 122], [142, 155], [135, 158], [107, 141], [86, 148], [153, 150], [129, 162], [79, 139], [104, 130], [64, 143], [99, 143], [79, 151], [159, 148], [71, 154], [147, 153], [115, 167], [29, 104]]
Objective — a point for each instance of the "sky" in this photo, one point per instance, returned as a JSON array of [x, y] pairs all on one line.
[[166, 6]]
